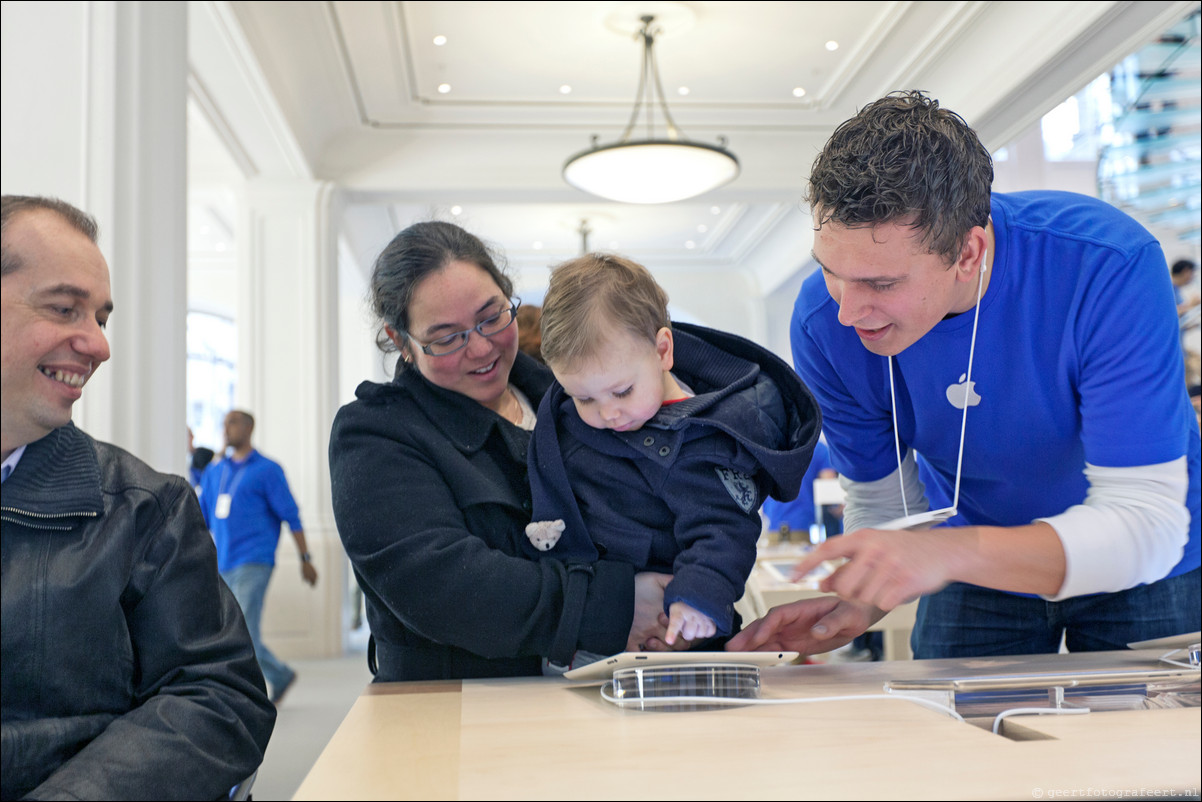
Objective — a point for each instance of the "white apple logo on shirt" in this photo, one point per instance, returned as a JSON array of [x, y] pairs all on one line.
[[957, 394]]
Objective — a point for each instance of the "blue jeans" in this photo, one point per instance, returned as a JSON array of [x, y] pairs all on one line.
[[248, 582], [968, 621]]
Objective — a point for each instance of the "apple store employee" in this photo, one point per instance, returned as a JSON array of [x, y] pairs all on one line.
[[1026, 347]]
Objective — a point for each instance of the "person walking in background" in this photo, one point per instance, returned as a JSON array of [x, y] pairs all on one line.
[[245, 498]]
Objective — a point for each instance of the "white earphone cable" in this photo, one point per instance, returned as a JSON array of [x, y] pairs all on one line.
[[972, 347]]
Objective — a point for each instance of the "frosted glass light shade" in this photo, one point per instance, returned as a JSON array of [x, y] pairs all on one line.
[[651, 171]]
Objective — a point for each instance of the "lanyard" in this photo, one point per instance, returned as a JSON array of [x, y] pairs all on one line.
[[239, 472]]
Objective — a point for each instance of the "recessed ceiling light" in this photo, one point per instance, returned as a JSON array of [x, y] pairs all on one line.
[[701, 229], [799, 91], [444, 88], [440, 40], [682, 91], [565, 90], [538, 246], [456, 210], [832, 45], [690, 245], [715, 210]]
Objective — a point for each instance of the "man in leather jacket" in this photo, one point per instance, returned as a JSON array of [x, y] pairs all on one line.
[[127, 670]]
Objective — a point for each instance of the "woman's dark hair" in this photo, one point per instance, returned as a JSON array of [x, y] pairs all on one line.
[[903, 159], [413, 254]]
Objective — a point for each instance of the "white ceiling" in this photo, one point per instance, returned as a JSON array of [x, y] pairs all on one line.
[[347, 92]]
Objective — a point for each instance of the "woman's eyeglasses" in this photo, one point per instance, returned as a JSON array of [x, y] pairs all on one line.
[[489, 327]]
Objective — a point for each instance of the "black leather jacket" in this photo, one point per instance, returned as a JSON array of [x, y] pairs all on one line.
[[127, 669]]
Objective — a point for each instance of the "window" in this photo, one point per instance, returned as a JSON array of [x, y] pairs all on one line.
[[212, 375]]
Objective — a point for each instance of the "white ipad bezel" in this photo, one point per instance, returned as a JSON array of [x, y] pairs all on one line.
[[917, 520], [603, 670], [1182, 641]]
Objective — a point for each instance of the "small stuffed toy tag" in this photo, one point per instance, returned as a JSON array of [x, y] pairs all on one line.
[[545, 534]]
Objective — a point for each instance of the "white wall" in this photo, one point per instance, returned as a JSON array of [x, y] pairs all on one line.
[[47, 115], [92, 98], [359, 359]]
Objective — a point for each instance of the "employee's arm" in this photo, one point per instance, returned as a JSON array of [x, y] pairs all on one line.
[[886, 568], [1130, 529]]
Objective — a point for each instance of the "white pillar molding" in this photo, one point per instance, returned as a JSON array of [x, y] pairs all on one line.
[[146, 191], [288, 379], [96, 116]]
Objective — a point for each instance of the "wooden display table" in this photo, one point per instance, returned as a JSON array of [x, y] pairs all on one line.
[[545, 738]]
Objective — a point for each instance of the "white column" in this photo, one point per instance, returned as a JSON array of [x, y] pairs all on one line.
[[288, 379], [94, 112]]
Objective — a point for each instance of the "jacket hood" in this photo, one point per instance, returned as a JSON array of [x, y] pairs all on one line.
[[763, 391], [765, 406]]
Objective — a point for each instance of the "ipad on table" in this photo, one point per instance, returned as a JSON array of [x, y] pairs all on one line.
[[604, 669], [918, 520], [780, 569], [1183, 641], [1041, 681]]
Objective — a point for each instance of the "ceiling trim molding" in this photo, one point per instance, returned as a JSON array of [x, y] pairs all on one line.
[[850, 67], [402, 36], [208, 108], [757, 233], [724, 228], [866, 48], [330, 15], [612, 105], [960, 17], [809, 128], [225, 24], [1124, 28]]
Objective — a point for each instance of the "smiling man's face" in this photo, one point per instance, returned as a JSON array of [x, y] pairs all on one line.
[[53, 309], [888, 286]]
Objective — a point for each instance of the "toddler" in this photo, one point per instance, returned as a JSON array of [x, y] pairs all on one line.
[[658, 442]]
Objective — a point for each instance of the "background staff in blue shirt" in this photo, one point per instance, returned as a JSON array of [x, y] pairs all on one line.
[[245, 498]]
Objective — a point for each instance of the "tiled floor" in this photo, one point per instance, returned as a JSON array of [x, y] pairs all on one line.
[[308, 716]]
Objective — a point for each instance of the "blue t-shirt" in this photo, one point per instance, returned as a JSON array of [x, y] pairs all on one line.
[[799, 513], [259, 502], [1077, 360]]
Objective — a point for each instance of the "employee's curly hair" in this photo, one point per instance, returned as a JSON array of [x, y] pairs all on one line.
[[903, 159]]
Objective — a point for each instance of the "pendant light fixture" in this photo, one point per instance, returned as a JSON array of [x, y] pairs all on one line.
[[655, 169]]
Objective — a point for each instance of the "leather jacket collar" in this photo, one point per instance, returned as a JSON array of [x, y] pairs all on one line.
[[56, 481]]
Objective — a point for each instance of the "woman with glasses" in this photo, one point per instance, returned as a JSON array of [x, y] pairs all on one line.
[[430, 489]]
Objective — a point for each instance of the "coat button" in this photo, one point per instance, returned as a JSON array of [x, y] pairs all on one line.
[[665, 451], [649, 441]]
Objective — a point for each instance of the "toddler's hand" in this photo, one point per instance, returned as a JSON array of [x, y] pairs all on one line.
[[685, 622]]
